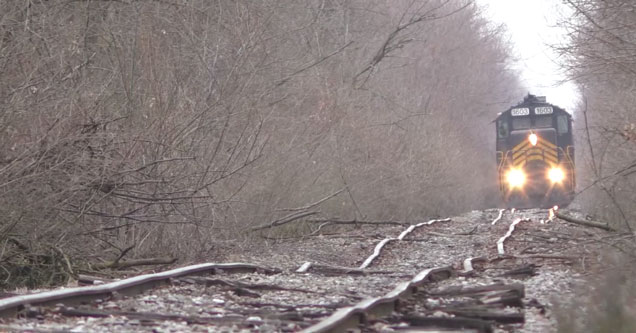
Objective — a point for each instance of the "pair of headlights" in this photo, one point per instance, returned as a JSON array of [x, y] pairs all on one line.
[[517, 178]]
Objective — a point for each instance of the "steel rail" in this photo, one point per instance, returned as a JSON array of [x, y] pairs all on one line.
[[500, 242], [352, 316], [469, 263], [501, 211], [304, 267], [134, 285], [379, 246], [413, 227], [376, 252]]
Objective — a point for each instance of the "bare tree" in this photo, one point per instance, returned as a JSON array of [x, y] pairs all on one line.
[[601, 59], [128, 127]]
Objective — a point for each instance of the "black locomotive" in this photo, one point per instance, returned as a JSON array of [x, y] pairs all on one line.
[[535, 154]]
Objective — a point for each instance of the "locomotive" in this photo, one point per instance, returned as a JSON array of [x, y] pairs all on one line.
[[535, 154]]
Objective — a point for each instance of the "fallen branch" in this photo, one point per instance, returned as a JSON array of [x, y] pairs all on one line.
[[507, 295], [480, 290], [134, 262], [332, 221], [289, 218], [586, 223], [328, 222]]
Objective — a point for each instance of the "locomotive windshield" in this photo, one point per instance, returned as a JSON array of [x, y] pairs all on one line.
[[521, 123], [543, 121]]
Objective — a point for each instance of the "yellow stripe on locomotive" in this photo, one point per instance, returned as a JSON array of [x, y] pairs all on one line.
[[540, 150]]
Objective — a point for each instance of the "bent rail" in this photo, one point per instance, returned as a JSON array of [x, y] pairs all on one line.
[[349, 317], [11, 306]]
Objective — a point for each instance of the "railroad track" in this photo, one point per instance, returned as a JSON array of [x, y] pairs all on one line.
[[474, 273]]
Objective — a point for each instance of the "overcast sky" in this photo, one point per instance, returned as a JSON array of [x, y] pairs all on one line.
[[531, 28]]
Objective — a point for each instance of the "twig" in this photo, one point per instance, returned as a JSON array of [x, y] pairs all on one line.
[[331, 221], [123, 253], [593, 224], [394, 42]]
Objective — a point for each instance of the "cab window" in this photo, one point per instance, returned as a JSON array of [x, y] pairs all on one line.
[[502, 128], [562, 124]]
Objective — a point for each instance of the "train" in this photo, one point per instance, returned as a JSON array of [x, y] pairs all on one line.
[[535, 155]]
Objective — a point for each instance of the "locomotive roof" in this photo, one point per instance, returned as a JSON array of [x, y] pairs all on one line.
[[531, 101]]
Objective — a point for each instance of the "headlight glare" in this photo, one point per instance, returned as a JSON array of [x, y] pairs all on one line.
[[515, 178], [556, 175]]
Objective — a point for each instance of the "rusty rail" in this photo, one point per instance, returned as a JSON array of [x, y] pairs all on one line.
[[12, 305]]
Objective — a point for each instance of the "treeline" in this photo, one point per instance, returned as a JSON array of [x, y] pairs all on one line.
[[601, 58], [169, 126]]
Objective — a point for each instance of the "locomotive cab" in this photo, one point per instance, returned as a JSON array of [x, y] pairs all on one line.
[[535, 154]]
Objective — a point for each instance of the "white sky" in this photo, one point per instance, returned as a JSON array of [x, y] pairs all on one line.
[[531, 29]]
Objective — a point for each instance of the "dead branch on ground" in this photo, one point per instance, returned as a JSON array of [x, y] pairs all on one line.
[[289, 218], [586, 223]]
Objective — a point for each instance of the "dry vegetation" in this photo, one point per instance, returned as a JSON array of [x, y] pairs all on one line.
[[608, 303], [164, 128], [601, 59]]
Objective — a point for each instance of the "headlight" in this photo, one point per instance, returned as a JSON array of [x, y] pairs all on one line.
[[556, 175], [533, 139], [515, 178]]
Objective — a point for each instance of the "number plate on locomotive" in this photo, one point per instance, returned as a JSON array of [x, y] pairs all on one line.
[[520, 111], [543, 110]]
